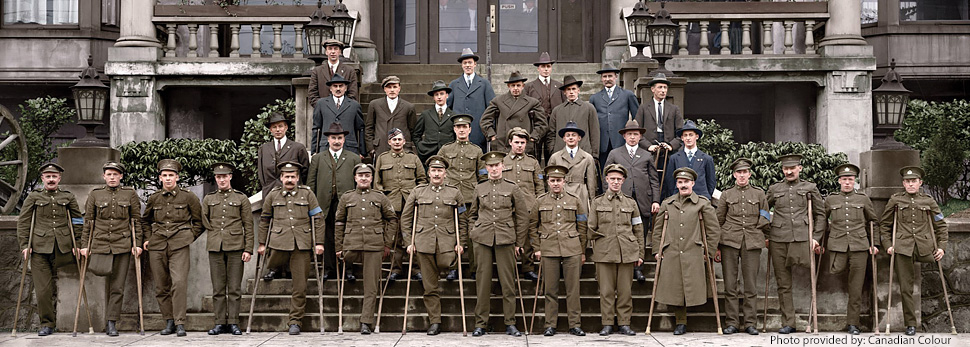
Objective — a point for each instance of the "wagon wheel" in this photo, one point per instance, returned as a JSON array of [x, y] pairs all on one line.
[[13, 160]]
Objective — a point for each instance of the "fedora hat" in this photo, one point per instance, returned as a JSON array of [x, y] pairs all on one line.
[[337, 78], [516, 77], [467, 53], [659, 78], [607, 67], [571, 126], [439, 85], [689, 125], [335, 129], [570, 80], [544, 59], [632, 125]]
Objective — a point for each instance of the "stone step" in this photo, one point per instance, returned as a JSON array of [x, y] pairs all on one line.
[[451, 322]]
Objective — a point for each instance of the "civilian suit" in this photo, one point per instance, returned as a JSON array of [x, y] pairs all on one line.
[[614, 106], [337, 108], [471, 95], [700, 162]]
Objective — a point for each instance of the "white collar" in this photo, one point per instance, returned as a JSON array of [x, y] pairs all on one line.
[[338, 100], [282, 141], [333, 65], [441, 108], [337, 153], [630, 148]]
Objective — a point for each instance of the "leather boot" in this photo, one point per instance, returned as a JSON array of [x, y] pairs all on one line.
[[169, 327], [111, 330]]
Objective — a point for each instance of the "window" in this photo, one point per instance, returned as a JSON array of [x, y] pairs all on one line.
[[47, 12], [110, 11], [914, 10], [870, 11]]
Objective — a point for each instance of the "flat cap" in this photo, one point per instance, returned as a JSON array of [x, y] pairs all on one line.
[[170, 165], [685, 172], [289, 166], [518, 131], [912, 172], [790, 160], [390, 79], [615, 168], [847, 170], [493, 157], [437, 161], [556, 171], [51, 167], [222, 168]]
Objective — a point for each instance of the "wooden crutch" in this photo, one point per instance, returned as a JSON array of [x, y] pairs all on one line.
[[518, 284], [141, 311], [23, 277], [316, 271], [813, 311], [84, 270], [535, 302], [380, 302], [77, 259], [939, 267], [261, 263], [656, 274], [710, 270], [340, 299], [875, 293], [764, 324], [407, 290], [461, 285], [892, 263]]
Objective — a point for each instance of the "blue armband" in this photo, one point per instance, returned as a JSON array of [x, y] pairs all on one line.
[[580, 217], [542, 177], [938, 217], [765, 214], [482, 172], [77, 220], [461, 209], [314, 211]]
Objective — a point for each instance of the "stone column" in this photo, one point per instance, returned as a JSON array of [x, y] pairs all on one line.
[[844, 26], [137, 29], [844, 119], [616, 45], [365, 51]]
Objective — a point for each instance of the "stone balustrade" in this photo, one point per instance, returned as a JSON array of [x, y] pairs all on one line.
[[210, 36]]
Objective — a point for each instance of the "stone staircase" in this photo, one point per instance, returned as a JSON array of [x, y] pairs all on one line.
[[272, 307]]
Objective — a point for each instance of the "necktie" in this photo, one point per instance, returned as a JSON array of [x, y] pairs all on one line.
[[545, 82], [468, 82], [690, 157], [660, 115], [338, 104], [333, 70], [441, 113], [609, 93], [633, 153], [335, 157], [572, 154], [277, 145]]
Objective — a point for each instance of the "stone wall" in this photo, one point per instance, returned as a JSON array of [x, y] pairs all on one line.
[[10, 267], [956, 271]]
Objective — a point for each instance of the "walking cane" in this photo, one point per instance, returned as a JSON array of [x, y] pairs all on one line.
[[939, 267], [892, 262], [461, 285], [340, 299], [764, 324], [259, 274], [518, 284], [316, 271], [710, 270], [656, 275], [84, 270], [535, 303], [23, 277], [813, 311], [407, 290], [77, 259], [141, 311], [875, 293]]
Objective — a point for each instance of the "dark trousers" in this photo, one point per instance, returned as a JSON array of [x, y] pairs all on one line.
[[170, 271], [906, 270], [433, 263], [329, 245], [299, 261], [226, 270], [371, 265], [400, 251], [115, 283], [748, 262]]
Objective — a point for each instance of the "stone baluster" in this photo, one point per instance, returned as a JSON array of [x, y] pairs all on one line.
[[170, 45], [725, 40], [213, 40], [809, 37], [298, 45], [704, 38], [277, 41], [193, 40], [789, 42], [234, 41], [683, 38], [767, 38], [256, 43], [746, 37]]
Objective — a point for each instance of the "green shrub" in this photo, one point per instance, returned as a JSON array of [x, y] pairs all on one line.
[[941, 131], [196, 156]]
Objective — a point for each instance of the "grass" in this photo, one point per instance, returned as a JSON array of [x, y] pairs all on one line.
[[954, 206]]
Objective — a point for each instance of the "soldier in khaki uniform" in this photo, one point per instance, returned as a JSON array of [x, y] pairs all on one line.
[[558, 231], [290, 209], [918, 221], [789, 231], [436, 205], [524, 170], [581, 180], [171, 222], [227, 218], [365, 227], [743, 216], [51, 210], [465, 170], [683, 280], [398, 172], [848, 214], [500, 215], [616, 232], [112, 210]]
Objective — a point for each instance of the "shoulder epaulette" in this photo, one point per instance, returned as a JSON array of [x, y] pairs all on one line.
[[304, 187], [442, 146], [570, 194], [421, 185], [543, 195], [900, 194], [125, 188], [276, 188]]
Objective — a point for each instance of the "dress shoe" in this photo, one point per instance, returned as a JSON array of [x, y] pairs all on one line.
[[350, 277], [294, 329], [854, 330], [269, 276], [452, 275], [577, 331], [111, 330], [511, 330], [364, 329], [910, 331], [625, 330], [730, 330], [478, 332], [234, 328], [394, 276], [550, 331], [169, 327], [638, 275], [417, 277], [607, 330], [680, 329], [786, 330], [44, 331], [180, 330], [751, 331], [218, 329], [435, 329], [530, 275], [329, 275]]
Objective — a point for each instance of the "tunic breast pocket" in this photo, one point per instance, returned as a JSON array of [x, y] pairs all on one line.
[[625, 216], [569, 213], [180, 212], [546, 213], [408, 172]]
